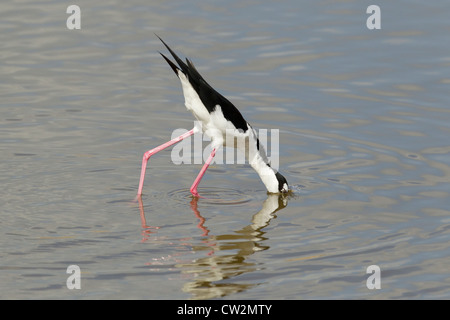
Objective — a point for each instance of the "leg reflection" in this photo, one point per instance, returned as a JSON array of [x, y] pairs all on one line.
[[146, 229], [194, 207]]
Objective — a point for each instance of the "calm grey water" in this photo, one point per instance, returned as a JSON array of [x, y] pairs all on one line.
[[364, 123]]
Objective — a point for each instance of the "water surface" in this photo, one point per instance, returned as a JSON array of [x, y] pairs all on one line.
[[364, 124]]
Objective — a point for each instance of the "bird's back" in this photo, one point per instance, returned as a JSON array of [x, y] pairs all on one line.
[[200, 97]]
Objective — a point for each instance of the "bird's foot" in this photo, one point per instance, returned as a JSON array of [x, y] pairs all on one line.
[[194, 193]]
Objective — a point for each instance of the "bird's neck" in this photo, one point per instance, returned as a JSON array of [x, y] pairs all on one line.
[[266, 173], [259, 162]]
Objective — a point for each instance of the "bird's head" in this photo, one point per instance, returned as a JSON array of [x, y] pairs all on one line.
[[283, 186], [274, 181]]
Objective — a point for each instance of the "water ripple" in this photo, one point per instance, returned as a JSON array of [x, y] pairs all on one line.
[[211, 196]]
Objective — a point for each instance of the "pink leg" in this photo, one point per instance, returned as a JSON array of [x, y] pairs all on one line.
[[201, 173], [149, 153]]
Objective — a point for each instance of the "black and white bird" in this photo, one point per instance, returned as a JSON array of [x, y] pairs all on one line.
[[219, 118]]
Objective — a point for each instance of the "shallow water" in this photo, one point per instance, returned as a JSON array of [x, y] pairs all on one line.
[[364, 123]]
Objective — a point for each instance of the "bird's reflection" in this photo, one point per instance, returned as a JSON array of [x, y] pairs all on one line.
[[226, 255]]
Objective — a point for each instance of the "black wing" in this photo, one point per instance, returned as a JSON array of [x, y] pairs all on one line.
[[210, 97]]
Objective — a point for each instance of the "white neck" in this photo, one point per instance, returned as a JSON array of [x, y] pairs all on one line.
[[266, 173], [258, 160]]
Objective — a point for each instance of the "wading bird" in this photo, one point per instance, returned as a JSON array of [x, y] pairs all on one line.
[[219, 118]]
